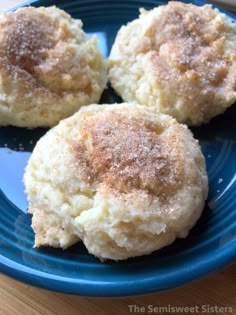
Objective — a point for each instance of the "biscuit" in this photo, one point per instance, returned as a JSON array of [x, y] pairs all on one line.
[[123, 178], [180, 58], [49, 68]]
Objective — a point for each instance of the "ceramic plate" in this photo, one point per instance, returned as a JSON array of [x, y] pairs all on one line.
[[210, 246]]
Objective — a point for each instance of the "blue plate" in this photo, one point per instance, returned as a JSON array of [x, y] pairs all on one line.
[[210, 246]]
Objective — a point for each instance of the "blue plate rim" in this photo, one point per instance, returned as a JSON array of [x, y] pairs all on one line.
[[114, 289], [199, 2]]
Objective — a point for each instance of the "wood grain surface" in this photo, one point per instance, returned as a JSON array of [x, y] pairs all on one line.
[[215, 294]]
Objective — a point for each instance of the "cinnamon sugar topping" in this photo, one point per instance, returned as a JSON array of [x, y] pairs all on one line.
[[131, 153], [25, 39]]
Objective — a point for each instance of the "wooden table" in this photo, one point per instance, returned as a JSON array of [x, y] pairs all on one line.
[[215, 294]]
